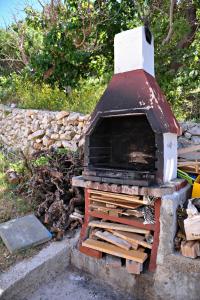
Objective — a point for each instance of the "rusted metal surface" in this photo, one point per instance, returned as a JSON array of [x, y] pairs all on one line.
[[136, 92]]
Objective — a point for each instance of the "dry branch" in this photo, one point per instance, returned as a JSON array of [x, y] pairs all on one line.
[[58, 205]]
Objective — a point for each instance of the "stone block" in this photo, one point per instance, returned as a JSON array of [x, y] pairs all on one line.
[[36, 134], [37, 146], [188, 135], [23, 233], [55, 136], [66, 136], [195, 130], [62, 114], [195, 139]]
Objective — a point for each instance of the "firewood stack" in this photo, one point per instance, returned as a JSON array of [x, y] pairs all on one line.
[[121, 228]]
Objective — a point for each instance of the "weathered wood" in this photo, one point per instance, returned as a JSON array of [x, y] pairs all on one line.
[[188, 149], [133, 198], [190, 249], [110, 238], [131, 206], [132, 212], [116, 226], [109, 205], [115, 200], [116, 251], [132, 237]]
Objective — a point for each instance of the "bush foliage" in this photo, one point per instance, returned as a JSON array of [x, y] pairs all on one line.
[[27, 94], [63, 55]]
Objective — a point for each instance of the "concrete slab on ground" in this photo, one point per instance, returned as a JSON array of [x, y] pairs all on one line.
[[76, 285], [24, 232]]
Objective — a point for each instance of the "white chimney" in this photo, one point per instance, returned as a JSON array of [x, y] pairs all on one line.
[[134, 50]]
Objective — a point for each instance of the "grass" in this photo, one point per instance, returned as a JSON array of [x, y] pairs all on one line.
[[11, 206]]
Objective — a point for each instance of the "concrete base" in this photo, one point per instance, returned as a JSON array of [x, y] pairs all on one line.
[[25, 277], [176, 277]]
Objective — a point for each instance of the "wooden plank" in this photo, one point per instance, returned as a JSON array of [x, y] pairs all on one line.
[[112, 199], [132, 237], [116, 251], [109, 205], [117, 204], [110, 238], [106, 209], [114, 194], [132, 198], [131, 221], [132, 212], [116, 226], [188, 149], [115, 200], [187, 163]]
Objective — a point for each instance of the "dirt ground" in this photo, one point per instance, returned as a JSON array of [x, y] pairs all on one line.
[[76, 285], [11, 206]]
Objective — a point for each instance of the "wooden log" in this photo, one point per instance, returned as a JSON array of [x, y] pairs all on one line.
[[110, 238], [116, 226], [132, 237], [116, 251]]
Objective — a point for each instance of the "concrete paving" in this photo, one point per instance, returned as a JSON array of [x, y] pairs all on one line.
[[24, 232], [76, 285]]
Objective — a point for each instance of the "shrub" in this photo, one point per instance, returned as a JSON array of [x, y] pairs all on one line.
[[27, 94], [84, 97]]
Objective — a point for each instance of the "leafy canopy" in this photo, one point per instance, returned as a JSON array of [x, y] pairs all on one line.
[[71, 42]]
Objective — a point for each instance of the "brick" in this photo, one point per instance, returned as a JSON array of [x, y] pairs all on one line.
[[133, 267], [113, 261], [90, 252]]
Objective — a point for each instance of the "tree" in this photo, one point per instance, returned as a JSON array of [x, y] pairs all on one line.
[[71, 40]]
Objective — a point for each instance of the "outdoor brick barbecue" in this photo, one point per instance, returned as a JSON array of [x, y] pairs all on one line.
[[132, 137], [130, 156]]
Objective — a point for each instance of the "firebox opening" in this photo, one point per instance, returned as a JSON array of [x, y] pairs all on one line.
[[124, 143]]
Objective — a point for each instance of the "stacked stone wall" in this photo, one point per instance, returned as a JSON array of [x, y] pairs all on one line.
[[34, 130], [40, 130]]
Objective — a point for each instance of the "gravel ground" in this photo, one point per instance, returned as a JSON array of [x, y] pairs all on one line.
[[76, 285]]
